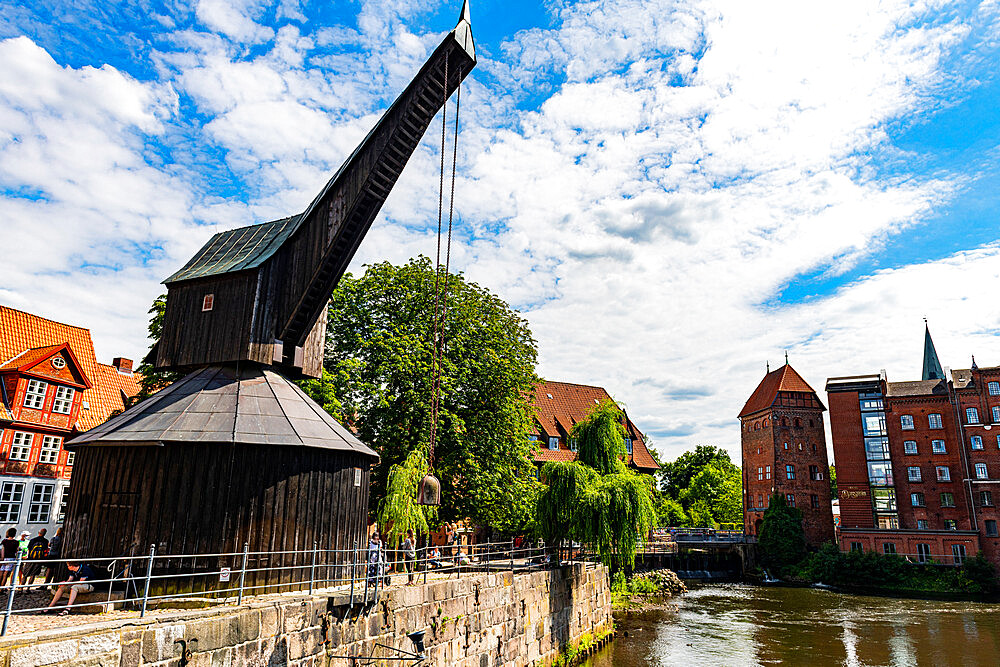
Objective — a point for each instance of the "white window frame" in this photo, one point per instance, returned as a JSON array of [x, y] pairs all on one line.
[[906, 422], [996, 413], [937, 448], [946, 477], [63, 402], [34, 395], [767, 472], [934, 420], [11, 497], [628, 445], [49, 453], [64, 499], [976, 442], [760, 473], [981, 471], [40, 505], [993, 388], [553, 443], [972, 416], [573, 445], [20, 446], [910, 447], [913, 474], [70, 458]]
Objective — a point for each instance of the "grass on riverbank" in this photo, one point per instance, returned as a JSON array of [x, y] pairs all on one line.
[[638, 590], [893, 573]]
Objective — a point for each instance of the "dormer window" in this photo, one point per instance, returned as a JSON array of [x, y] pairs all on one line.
[[549, 395], [628, 445], [553, 443], [208, 303], [64, 400], [572, 445], [58, 363], [34, 397]]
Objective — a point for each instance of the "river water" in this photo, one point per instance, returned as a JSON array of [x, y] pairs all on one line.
[[736, 624]]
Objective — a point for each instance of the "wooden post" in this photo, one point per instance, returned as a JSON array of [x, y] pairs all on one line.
[[354, 562]]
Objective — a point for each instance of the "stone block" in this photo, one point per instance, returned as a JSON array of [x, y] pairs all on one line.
[[158, 643], [131, 653], [270, 621], [102, 643], [101, 660], [47, 653]]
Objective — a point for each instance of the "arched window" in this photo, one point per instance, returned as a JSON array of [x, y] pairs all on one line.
[[811, 423], [798, 423], [765, 423]]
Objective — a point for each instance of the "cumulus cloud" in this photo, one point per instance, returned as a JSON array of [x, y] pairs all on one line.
[[642, 178]]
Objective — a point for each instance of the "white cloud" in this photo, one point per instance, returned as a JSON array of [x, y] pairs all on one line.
[[683, 163]]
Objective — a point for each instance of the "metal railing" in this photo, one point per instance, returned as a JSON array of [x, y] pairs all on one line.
[[137, 581]]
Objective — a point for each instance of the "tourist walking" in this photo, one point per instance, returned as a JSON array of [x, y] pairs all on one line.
[[55, 553], [38, 550], [375, 559], [8, 549], [409, 555]]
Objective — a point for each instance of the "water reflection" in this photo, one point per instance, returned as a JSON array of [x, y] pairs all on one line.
[[748, 625]]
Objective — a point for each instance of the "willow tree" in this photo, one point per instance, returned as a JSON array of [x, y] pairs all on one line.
[[597, 499], [399, 511]]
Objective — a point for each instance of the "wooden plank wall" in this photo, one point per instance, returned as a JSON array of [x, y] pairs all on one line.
[[211, 499]]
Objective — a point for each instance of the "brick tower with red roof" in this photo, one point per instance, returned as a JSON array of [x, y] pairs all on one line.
[[784, 451]]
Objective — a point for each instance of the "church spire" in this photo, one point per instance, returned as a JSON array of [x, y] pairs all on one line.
[[932, 365]]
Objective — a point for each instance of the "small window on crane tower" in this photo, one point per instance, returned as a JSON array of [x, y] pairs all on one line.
[[208, 303]]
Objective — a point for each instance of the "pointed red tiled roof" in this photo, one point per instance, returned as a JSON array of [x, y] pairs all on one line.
[[783, 379], [23, 333], [560, 405]]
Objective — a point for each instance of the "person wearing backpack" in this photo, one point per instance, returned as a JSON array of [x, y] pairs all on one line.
[[38, 550]]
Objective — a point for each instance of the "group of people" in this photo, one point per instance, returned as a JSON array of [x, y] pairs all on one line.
[[38, 553], [452, 550], [34, 551]]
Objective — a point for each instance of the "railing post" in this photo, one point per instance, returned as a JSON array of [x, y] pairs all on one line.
[[149, 575], [312, 569], [512, 555], [10, 597], [354, 563], [243, 572]]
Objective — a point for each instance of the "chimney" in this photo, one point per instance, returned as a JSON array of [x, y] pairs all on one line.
[[123, 365]]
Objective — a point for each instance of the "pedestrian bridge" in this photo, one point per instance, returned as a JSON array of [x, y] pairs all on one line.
[[699, 553]]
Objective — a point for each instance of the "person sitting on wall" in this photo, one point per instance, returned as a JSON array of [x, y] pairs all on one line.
[[434, 558], [79, 575]]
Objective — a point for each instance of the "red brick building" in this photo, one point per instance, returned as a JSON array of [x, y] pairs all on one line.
[[918, 462], [559, 406], [51, 387], [784, 451]]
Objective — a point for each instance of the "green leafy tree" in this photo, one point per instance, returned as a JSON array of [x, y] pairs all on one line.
[[398, 511], [717, 490], [379, 380], [677, 474], [669, 512], [781, 540], [833, 482], [597, 499]]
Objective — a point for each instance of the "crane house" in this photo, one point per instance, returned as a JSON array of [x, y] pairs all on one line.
[[235, 454]]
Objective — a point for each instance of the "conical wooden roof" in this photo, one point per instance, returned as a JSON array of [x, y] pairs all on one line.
[[245, 404]]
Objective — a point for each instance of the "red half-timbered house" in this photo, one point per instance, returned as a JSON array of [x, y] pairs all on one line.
[[51, 388]]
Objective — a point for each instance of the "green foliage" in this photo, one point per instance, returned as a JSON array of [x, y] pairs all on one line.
[[717, 493], [677, 474], [398, 511], [642, 586], [833, 482], [867, 569], [701, 488], [601, 439], [150, 379], [378, 363], [669, 512], [781, 541], [596, 499], [323, 391]]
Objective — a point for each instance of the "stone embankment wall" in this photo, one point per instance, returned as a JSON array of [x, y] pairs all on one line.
[[484, 620]]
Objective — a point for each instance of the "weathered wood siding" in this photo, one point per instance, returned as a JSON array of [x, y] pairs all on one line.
[[211, 499]]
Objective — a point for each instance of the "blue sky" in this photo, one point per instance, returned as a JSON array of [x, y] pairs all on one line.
[[673, 193]]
